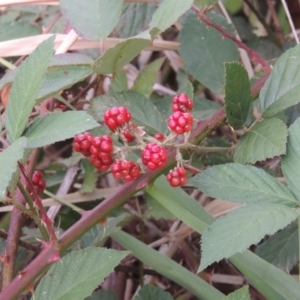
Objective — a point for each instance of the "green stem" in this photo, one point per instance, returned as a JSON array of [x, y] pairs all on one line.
[[62, 201]]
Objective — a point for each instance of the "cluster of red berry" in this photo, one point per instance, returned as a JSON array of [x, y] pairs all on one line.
[[153, 154], [38, 182]]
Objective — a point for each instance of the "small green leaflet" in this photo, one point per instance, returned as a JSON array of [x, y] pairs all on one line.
[[290, 163], [237, 95], [168, 13], [8, 162], [58, 126], [97, 17], [77, 274], [241, 228], [282, 88], [265, 140], [25, 88], [243, 184], [240, 294]]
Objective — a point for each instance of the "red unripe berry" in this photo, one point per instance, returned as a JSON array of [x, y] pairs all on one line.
[[154, 156], [116, 117], [125, 169], [180, 122], [182, 103], [159, 136], [38, 182], [177, 177], [83, 142], [102, 165]]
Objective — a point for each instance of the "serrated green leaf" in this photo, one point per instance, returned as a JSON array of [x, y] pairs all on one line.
[[265, 140], [281, 249], [57, 127], [25, 88], [77, 274], [135, 18], [203, 108], [97, 17], [147, 77], [242, 184], [241, 228], [168, 13], [8, 162], [290, 163], [282, 88], [90, 177], [167, 267], [204, 52], [119, 82], [142, 110], [237, 95], [118, 56], [151, 292], [240, 294]]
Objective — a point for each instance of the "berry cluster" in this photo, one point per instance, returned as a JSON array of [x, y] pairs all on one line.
[[38, 182], [105, 156]]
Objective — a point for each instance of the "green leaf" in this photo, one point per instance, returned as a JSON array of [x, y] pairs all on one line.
[[281, 249], [237, 95], [204, 52], [240, 294], [89, 181], [155, 210], [16, 30], [25, 88], [290, 163], [77, 274], [241, 228], [97, 17], [167, 267], [103, 295], [188, 89], [203, 108], [151, 292], [242, 184], [142, 110], [135, 18], [265, 140], [282, 88], [57, 127], [8, 162], [62, 77], [147, 77], [119, 82], [168, 13], [118, 56], [204, 2]]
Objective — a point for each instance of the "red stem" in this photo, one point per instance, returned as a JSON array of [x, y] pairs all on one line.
[[89, 219], [254, 55]]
